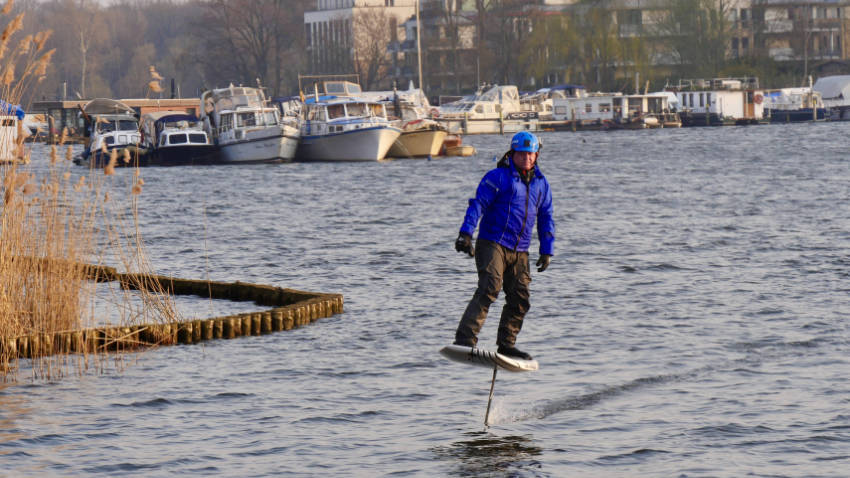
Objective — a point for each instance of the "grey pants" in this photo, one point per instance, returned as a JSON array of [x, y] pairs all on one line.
[[497, 266]]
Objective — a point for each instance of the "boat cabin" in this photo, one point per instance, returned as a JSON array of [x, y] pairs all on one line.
[[338, 115], [172, 128], [488, 104], [720, 101]]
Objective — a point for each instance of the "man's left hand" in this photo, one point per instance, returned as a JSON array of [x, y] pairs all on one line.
[[543, 262]]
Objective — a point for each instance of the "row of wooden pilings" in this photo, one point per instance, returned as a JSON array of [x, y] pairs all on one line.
[[291, 309]]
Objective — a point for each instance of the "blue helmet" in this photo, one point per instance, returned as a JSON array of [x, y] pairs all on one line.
[[525, 141]]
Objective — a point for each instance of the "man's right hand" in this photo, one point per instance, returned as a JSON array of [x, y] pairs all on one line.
[[464, 244]]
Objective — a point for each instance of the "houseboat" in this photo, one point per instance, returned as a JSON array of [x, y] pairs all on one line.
[[719, 101], [341, 125], [608, 111], [173, 138], [245, 127]]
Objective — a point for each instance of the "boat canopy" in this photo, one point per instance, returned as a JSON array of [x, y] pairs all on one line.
[[233, 97], [833, 87], [106, 106], [162, 117], [10, 109]]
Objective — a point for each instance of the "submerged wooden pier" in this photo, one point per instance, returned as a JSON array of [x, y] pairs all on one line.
[[285, 309]]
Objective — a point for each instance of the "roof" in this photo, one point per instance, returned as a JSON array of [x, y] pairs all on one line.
[[833, 86], [106, 106], [170, 116]]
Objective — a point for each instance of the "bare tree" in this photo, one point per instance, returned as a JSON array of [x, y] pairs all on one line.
[[372, 34], [697, 33]]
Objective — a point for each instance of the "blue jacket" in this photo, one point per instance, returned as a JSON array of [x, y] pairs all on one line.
[[508, 208]]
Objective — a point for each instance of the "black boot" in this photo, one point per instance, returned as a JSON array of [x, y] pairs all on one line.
[[513, 352], [464, 342]]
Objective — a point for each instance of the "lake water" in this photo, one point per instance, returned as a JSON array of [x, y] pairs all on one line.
[[694, 321]]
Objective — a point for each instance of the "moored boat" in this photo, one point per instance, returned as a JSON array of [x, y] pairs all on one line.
[[720, 101], [792, 105], [340, 126], [111, 129], [174, 138], [246, 128]]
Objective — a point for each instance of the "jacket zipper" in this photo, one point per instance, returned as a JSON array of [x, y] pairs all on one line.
[[524, 216]]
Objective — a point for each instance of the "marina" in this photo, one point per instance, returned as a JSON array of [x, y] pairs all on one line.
[[340, 122]]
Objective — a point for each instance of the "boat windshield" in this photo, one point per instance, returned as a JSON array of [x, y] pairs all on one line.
[[356, 109], [336, 111], [378, 110], [105, 126], [269, 118]]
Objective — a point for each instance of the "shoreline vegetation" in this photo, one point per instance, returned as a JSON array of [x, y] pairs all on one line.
[[53, 223]]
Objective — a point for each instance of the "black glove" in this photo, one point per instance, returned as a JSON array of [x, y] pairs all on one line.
[[464, 244], [543, 262]]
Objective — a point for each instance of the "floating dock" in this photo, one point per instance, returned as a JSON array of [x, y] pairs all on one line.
[[288, 309]]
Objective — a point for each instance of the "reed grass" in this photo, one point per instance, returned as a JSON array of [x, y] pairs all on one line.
[[54, 221]]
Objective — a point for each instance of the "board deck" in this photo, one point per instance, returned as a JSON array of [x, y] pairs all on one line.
[[488, 359]]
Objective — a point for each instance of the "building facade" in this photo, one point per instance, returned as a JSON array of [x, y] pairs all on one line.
[[351, 36]]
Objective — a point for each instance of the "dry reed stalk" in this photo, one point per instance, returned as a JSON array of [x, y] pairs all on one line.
[[51, 225]]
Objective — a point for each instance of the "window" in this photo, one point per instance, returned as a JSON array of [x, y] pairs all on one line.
[[377, 110], [588, 108], [708, 99], [560, 110], [691, 99], [336, 111], [127, 125], [227, 121], [198, 138], [356, 109], [179, 138], [701, 100], [604, 107], [109, 140], [246, 119]]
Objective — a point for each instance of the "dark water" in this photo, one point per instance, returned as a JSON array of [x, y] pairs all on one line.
[[694, 322]]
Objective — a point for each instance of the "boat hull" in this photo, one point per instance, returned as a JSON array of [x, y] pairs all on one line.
[[417, 144], [798, 115], [99, 159], [366, 144], [182, 156], [260, 149]]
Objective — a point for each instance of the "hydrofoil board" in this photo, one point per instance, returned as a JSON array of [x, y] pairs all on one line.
[[488, 359]]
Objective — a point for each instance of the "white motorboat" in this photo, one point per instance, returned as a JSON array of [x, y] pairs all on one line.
[[246, 128], [110, 126], [340, 126], [494, 111], [409, 110]]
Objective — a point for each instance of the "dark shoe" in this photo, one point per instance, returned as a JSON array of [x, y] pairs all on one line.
[[465, 343], [514, 352]]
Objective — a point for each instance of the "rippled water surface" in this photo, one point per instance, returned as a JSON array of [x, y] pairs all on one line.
[[694, 321]]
